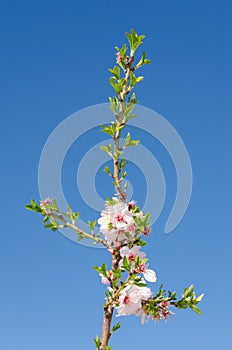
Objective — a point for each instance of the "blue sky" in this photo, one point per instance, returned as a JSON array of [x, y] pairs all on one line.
[[54, 60]]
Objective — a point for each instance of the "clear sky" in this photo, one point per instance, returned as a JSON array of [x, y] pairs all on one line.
[[54, 60]]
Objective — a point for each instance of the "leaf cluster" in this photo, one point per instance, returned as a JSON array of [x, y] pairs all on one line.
[[189, 299]]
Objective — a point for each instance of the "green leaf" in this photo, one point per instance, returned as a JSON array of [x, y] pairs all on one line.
[[80, 237], [97, 342], [195, 308], [53, 225], [117, 84], [116, 72], [173, 296], [126, 264], [140, 242], [112, 201], [97, 268], [117, 273], [140, 284], [142, 61], [92, 224], [116, 327], [34, 206], [107, 170], [122, 50], [133, 99], [122, 164], [142, 222], [130, 142], [198, 299], [114, 104], [134, 80], [138, 79], [104, 269], [76, 215], [128, 110], [126, 185], [107, 149], [109, 129], [110, 226], [188, 291], [53, 206], [46, 218], [72, 216], [134, 39], [118, 154]]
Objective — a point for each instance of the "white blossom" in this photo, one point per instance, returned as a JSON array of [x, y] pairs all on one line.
[[117, 223], [150, 275], [133, 253], [130, 299]]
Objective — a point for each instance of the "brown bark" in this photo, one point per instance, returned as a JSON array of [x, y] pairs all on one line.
[[109, 309], [108, 314]]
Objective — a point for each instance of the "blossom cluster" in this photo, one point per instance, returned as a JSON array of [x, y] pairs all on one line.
[[119, 222], [130, 300], [122, 224]]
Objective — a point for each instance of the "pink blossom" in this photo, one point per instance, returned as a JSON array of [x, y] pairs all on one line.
[[115, 221], [45, 202], [133, 253], [164, 304], [130, 299], [119, 57], [119, 218], [104, 279], [144, 317], [148, 274], [166, 314]]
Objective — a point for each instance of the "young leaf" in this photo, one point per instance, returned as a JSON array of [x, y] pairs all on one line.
[[122, 51], [107, 149], [116, 72], [142, 61], [114, 104], [132, 99], [97, 342], [92, 224], [107, 170], [188, 291], [33, 206], [130, 142], [195, 308], [134, 40], [116, 327], [198, 299]]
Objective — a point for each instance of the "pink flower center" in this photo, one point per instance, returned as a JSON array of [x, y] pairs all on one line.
[[164, 304], [130, 205], [119, 57], [126, 300], [131, 228], [119, 218], [46, 202], [166, 314], [141, 267], [131, 257]]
